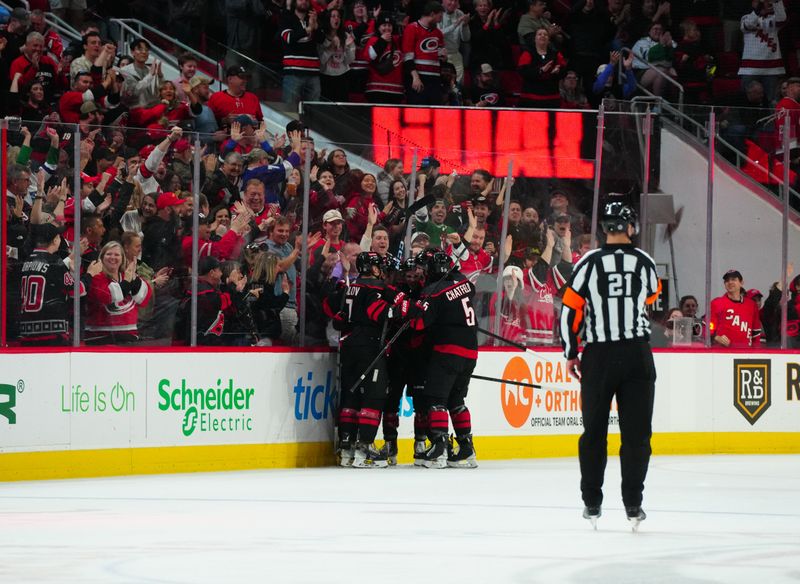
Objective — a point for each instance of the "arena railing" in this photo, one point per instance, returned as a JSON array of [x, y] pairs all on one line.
[[165, 47]]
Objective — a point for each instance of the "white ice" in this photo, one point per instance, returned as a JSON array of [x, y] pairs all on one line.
[[710, 519]]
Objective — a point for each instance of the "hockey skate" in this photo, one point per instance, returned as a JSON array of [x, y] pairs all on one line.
[[389, 449], [420, 446], [367, 456], [592, 513], [436, 455], [464, 455], [345, 451], [635, 515]]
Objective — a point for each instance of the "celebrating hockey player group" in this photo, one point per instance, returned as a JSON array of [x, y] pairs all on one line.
[[411, 327]]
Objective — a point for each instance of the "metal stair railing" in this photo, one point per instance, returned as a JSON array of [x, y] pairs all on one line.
[[668, 78], [130, 28], [700, 132]]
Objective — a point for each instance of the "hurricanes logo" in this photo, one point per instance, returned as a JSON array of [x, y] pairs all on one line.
[[517, 401], [397, 58], [429, 45], [189, 421], [490, 98]]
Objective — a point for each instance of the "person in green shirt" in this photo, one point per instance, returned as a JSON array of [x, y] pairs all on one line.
[[435, 228]]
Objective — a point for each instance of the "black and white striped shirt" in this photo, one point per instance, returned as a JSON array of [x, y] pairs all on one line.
[[607, 296]]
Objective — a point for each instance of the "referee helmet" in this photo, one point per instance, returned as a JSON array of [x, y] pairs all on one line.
[[617, 216]]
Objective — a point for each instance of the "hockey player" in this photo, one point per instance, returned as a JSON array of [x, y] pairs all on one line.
[[406, 370], [445, 312], [367, 303]]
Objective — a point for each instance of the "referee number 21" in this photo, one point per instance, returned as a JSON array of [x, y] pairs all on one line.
[[620, 284]]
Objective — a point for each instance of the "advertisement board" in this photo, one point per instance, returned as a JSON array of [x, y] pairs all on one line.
[[88, 414]]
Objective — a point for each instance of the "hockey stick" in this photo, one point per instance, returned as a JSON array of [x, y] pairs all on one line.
[[519, 346], [509, 381]]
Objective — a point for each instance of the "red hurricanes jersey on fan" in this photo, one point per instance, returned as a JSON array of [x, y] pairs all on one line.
[[223, 104], [110, 309], [540, 292], [391, 82], [476, 263], [425, 47], [739, 321], [363, 33]]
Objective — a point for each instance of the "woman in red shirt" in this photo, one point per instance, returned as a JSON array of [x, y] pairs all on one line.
[[114, 297]]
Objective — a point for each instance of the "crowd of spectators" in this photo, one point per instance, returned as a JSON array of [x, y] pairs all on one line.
[[137, 171]]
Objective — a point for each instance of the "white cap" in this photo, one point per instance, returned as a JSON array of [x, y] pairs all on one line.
[[516, 273], [332, 215]]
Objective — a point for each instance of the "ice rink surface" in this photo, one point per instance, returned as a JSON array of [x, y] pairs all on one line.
[[710, 519]]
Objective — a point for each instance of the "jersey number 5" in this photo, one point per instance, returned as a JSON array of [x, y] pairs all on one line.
[[620, 284], [469, 312]]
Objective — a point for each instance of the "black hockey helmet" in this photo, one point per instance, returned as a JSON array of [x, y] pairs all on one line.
[[365, 261], [389, 264], [439, 264], [617, 216], [408, 265], [424, 257]]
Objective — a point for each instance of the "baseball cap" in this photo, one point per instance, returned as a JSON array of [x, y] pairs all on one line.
[[206, 264], [181, 145], [20, 14], [754, 293], [558, 193], [562, 218], [236, 71], [384, 19], [420, 236], [88, 107], [245, 120], [732, 274], [146, 150], [429, 161], [92, 180], [168, 199], [480, 200], [198, 80], [486, 68], [532, 251], [516, 273], [332, 215], [46, 231]]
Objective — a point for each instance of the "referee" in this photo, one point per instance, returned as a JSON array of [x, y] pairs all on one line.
[[605, 302]]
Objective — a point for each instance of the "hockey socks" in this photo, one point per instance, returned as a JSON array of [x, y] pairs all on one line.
[[391, 422], [368, 422], [420, 426], [462, 420], [348, 423]]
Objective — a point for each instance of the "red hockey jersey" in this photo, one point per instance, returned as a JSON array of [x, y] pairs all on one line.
[[379, 51], [425, 48], [739, 321], [111, 309]]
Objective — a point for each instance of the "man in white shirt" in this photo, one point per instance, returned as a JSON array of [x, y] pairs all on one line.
[[455, 28]]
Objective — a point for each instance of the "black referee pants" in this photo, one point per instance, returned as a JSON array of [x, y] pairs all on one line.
[[624, 369]]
